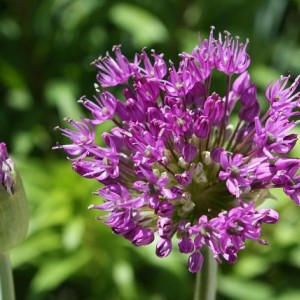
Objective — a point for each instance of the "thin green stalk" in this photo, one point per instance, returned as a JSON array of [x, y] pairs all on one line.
[[206, 279], [6, 278]]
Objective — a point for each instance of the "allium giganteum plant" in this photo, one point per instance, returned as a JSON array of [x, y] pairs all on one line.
[[174, 166]]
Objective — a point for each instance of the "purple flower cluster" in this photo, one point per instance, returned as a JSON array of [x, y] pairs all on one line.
[[6, 168], [173, 163]]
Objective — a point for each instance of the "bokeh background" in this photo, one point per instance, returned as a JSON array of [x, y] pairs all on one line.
[[46, 50]]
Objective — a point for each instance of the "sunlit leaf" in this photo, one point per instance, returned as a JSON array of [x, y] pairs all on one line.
[[35, 247], [290, 295], [56, 271], [144, 27], [251, 266], [73, 232], [124, 279], [235, 288], [63, 95]]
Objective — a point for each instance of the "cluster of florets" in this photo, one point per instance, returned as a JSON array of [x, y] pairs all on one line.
[[174, 165], [6, 168]]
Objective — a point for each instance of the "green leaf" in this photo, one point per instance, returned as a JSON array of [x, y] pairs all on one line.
[[55, 272], [290, 295], [251, 266], [35, 247], [124, 279], [145, 27], [235, 288], [263, 75], [176, 263], [73, 233], [63, 95]]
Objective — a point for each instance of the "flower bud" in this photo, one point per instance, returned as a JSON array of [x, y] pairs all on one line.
[[248, 114], [182, 163], [242, 83], [202, 127], [189, 152], [13, 204], [205, 155], [163, 247], [186, 245], [249, 96], [195, 262]]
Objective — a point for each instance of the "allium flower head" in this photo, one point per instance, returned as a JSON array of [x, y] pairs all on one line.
[[174, 166]]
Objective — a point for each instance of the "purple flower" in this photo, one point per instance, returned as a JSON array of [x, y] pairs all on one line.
[[204, 55], [113, 72], [283, 97], [231, 56], [265, 171], [156, 70], [274, 136], [104, 165], [82, 136], [235, 173], [104, 109], [174, 165]]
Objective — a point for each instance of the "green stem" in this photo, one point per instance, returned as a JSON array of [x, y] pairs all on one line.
[[6, 278], [206, 279]]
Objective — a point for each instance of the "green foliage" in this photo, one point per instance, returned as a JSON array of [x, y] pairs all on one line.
[[145, 27], [45, 54]]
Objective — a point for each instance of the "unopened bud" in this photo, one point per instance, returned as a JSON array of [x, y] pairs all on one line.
[[198, 173], [156, 172], [229, 131], [201, 179], [13, 204], [187, 205], [205, 155], [182, 163]]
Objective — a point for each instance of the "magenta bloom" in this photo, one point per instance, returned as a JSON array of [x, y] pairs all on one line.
[[173, 165], [113, 71]]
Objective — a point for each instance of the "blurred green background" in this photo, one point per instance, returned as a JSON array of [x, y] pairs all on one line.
[[46, 50]]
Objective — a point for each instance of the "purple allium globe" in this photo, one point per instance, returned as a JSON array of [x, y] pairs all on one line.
[[174, 166]]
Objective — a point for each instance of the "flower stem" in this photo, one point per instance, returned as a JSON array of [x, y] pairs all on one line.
[[6, 278], [206, 279]]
